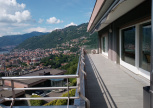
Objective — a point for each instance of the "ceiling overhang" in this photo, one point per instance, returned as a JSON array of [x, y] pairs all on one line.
[[116, 11]]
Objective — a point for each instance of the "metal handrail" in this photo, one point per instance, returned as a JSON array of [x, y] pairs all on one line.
[[77, 75], [40, 88], [39, 77], [46, 98]]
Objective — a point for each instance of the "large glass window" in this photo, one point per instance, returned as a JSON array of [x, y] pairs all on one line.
[[105, 44], [145, 46], [128, 45]]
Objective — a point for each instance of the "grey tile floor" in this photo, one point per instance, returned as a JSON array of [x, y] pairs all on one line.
[[109, 85]]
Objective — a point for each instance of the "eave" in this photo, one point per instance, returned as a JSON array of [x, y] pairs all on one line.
[[117, 9]]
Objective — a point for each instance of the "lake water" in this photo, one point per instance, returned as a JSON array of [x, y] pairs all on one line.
[[4, 52]]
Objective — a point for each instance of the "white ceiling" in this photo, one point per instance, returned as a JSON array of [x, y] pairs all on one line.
[[119, 11]]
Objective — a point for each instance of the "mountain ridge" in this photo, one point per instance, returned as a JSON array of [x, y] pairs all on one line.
[[57, 36], [11, 40]]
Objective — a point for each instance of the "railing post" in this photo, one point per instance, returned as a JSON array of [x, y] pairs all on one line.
[[85, 99], [151, 74], [13, 93], [68, 93], [82, 57], [2, 82]]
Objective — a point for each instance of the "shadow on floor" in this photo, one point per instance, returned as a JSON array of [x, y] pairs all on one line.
[[96, 90]]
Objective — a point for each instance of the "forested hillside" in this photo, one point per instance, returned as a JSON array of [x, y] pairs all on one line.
[[17, 39], [59, 36]]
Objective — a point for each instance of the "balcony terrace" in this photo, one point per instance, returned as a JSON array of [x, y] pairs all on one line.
[[109, 85]]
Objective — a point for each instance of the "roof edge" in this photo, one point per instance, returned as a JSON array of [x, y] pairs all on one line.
[[100, 3]]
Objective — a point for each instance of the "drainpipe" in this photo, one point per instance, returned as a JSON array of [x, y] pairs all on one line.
[[151, 74]]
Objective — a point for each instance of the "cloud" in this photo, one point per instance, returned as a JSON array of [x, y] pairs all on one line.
[[8, 31], [71, 24], [39, 29], [5, 31], [13, 12], [56, 28], [13, 17], [14, 33], [53, 20], [40, 20], [20, 25], [12, 28]]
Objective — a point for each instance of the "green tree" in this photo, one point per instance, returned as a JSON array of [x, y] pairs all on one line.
[[36, 102], [74, 49]]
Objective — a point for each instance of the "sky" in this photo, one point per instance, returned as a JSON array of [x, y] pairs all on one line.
[[25, 16]]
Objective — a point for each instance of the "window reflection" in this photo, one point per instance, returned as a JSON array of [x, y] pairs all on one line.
[[145, 46], [104, 47], [128, 45], [105, 44]]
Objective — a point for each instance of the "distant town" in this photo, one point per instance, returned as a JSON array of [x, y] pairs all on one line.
[[20, 61]]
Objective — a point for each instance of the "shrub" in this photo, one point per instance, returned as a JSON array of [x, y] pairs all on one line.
[[62, 101], [51, 103], [36, 102], [74, 81]]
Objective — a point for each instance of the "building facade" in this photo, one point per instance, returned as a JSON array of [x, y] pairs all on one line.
[[124, 33]]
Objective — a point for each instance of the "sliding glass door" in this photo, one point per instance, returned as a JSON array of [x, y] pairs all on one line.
[[135, 48], [128, 45], [145, 46]]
